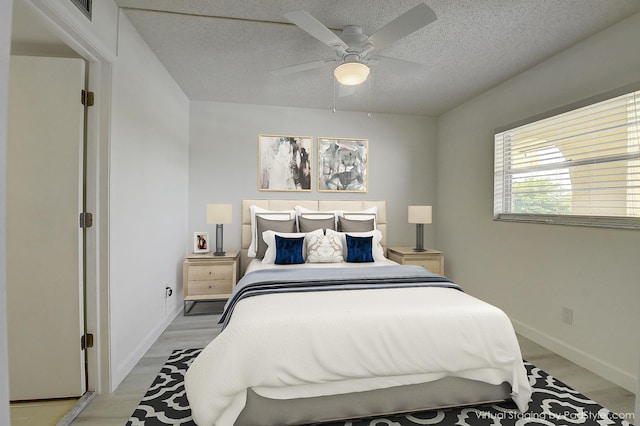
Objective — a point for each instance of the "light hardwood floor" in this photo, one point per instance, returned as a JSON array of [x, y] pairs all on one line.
[[195, 331], [40, 413], [192, 331]]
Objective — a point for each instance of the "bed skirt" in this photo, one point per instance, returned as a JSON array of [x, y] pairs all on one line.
[[445, 392]]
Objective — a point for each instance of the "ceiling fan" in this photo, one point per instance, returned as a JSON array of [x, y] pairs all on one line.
[[354, 48]]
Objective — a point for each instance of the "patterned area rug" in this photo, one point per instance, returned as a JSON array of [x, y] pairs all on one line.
[[553, 403]]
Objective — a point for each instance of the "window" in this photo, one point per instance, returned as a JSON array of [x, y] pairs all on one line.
[[577, 167]]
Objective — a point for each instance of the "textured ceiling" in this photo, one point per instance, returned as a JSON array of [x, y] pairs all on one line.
[[224, 50]]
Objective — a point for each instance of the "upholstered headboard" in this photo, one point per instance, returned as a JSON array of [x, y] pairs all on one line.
[[319, 205]]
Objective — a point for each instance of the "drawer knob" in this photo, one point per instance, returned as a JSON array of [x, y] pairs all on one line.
[[209, 286], [209, 272]]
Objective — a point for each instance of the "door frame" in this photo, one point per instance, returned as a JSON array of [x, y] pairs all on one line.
[[99, 70]]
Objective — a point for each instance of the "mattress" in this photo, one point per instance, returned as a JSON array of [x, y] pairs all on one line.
[[289, 346]]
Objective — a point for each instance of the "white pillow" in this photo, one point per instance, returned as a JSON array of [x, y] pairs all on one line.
[[269, 237], [370, 213], [324, 248], [267, 214], [376, 246], [314, 213]]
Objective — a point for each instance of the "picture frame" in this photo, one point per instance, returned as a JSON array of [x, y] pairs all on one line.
[[201, 242], [285, 163], [343, 165]]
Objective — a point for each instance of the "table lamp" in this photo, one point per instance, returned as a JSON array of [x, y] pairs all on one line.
[[219, 214], [419, 215]]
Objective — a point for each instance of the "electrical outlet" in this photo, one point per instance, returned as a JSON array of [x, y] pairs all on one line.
[[168, 291], [567, 316]]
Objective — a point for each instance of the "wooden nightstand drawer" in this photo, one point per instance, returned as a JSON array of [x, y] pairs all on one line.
[[210, 272], [432, 265], [212, 287]]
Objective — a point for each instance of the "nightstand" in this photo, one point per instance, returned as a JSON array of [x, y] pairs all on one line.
[[431, 260], [209, 277]]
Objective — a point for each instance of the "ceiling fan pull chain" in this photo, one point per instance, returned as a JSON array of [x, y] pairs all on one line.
[[334, 94], [369, 114]]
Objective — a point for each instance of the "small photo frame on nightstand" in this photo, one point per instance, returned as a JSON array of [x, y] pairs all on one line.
[[201, 242]]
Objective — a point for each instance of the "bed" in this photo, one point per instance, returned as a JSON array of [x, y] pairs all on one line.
[[314, 342]]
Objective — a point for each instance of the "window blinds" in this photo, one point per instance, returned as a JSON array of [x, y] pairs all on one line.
[[579, 167]]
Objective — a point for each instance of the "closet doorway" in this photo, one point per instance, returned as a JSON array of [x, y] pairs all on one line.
[[45, 181]]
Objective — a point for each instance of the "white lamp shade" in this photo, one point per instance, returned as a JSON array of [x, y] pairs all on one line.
[[219, 213], [420, 214], [351, 73]]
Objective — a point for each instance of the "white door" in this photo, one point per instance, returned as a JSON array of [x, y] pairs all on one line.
[[44, 186]]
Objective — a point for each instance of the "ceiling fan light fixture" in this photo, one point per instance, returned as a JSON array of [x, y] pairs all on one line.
[[351, 73]]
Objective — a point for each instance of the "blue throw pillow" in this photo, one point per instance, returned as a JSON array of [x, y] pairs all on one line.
[[289, 250], [359, 249]]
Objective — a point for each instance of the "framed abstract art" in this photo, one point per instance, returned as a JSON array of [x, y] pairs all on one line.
[[284, 163], [343, 165]]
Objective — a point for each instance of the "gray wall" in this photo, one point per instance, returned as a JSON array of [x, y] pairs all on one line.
[[532, 271], [223, 160], [637, 414], [147, 200], [5, 42]]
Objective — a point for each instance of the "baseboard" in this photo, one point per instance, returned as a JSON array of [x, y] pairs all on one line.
[[624, 379], [127, 365], [177, 310]]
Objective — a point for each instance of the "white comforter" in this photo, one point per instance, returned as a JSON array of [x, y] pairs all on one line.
[[311, 344]]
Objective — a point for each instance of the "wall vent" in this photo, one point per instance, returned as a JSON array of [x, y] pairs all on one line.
[[84, 6]]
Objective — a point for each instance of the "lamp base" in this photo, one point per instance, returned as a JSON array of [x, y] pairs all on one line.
[[219, 251], [419, 238]]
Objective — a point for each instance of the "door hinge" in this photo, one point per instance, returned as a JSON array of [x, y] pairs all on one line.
[[87, 98], [86, 220], [86, 341]]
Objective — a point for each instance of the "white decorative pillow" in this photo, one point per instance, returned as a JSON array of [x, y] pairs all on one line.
[[267, 214], [269, 237], [376, 246], [324, 248]]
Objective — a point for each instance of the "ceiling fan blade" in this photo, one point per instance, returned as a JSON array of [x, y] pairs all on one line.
[[318, 30], [400, 66], [301, 67], [410, 21]]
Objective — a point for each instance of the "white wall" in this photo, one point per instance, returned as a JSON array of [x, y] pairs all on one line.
[[148, 200], [5, 42], [223, 160], [533, 270], [98, 34]]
